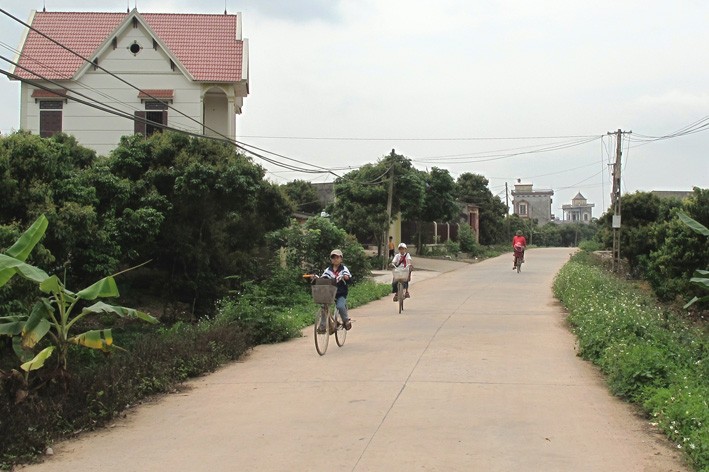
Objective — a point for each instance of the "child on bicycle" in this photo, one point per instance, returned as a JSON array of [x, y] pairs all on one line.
[[342, 277], [402, 259]]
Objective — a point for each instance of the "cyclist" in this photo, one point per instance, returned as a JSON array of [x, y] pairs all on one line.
[[402, 259], [519, 244], [338, 272]]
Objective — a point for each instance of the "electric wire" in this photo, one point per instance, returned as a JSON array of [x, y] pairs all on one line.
[[161, 101]]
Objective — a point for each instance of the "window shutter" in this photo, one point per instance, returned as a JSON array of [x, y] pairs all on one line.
[[139, 123], [164, 118], [50, 123]]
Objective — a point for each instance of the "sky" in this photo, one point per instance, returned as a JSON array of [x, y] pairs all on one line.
[[509, 89]]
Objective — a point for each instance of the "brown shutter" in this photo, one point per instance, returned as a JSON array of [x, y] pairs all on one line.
[[50, 123], [164, 118], [139, 123]]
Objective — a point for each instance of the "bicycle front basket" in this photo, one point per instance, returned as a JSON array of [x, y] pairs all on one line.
[[324, 293], [401, 274]]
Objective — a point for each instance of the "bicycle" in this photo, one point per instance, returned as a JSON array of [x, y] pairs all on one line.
[[519, 257], [401, 275], [327, 320]]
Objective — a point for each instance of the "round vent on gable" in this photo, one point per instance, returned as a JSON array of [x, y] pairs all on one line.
[[135, 48]]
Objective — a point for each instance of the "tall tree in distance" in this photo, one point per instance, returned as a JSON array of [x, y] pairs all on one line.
[[473, 188], [303, 196]]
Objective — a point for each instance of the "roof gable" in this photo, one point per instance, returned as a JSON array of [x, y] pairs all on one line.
[[126, 24], [208, 47]]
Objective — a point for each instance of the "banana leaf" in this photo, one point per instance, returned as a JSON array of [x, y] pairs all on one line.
[[23, 246], [9, 266], [105, 287], [123, 312], [39, 360], [37, 325], [95, 339], [696, 226], [11, 325]]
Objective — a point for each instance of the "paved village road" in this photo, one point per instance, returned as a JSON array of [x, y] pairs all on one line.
[[479, 374]]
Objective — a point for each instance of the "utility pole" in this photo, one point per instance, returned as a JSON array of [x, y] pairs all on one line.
[[615, 198], [390, 201]]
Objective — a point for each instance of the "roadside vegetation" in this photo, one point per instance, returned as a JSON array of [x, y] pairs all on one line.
[[651, 355], [209, 263]]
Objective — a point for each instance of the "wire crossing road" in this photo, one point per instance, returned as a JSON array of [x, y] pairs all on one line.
[[478, 374]]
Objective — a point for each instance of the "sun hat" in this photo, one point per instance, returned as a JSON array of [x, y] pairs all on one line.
[[519, 232], [336, 252], [402, 245]]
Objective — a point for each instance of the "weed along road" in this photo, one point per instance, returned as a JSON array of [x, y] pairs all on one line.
[[478, 374]]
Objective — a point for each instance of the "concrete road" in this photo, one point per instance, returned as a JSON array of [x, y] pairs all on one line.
[[478, 374]]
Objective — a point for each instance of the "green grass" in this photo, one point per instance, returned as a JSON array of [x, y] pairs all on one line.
[[650, 356]]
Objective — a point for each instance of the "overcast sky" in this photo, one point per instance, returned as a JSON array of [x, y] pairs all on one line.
[[457, 84]]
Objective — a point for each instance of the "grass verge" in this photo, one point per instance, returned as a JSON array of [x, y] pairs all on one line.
[[650, 356]]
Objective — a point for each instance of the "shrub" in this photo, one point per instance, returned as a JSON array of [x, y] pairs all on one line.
[[651, 356]]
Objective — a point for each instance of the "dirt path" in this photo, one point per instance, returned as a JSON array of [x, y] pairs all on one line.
[[479, 374]]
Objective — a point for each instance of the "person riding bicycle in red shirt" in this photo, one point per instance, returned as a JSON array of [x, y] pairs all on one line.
[[519, 244]]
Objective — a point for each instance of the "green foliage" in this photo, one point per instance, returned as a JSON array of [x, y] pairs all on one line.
[[303, 196], [466, 238], [650, 356], [657, 245], [209, 208], [278, 309], [307, 247], [440, 198], [473, 188], [361, 205]]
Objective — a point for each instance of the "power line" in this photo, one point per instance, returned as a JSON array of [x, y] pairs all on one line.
[[238, 144]]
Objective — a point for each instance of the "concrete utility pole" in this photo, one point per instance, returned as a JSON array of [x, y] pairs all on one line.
[[390, 202], [615, 198]]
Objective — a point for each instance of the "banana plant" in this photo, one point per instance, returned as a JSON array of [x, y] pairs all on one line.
[[57, 312], [701, 277]]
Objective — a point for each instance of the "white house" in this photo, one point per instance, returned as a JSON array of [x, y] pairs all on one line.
[[579, 210], [186, 71]]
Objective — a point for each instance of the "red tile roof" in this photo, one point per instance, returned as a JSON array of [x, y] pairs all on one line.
[[163, 94], [55, 93], [206, 45]]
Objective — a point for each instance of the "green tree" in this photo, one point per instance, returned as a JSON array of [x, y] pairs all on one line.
[[307, 246], [211, 208], [440, 197], [49, 176], [303, 196], [361, 205], [473, 188]]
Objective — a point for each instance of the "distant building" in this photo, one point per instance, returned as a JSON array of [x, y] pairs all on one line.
[[579, 210], [532, 204]]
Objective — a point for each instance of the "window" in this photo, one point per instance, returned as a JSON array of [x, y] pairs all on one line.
[[50, 117], [522, 209], [152, 120]]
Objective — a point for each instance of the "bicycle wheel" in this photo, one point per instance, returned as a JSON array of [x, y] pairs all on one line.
[[340, 331], [322, 336], [400, 295]]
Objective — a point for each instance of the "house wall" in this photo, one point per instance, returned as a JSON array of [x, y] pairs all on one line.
[[149, 69], [539, 206]]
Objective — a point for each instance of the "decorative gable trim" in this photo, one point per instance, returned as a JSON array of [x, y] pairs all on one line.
[[132, 21]]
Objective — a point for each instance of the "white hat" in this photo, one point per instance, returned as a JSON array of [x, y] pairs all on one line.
[[402, 245], [336, 252]]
